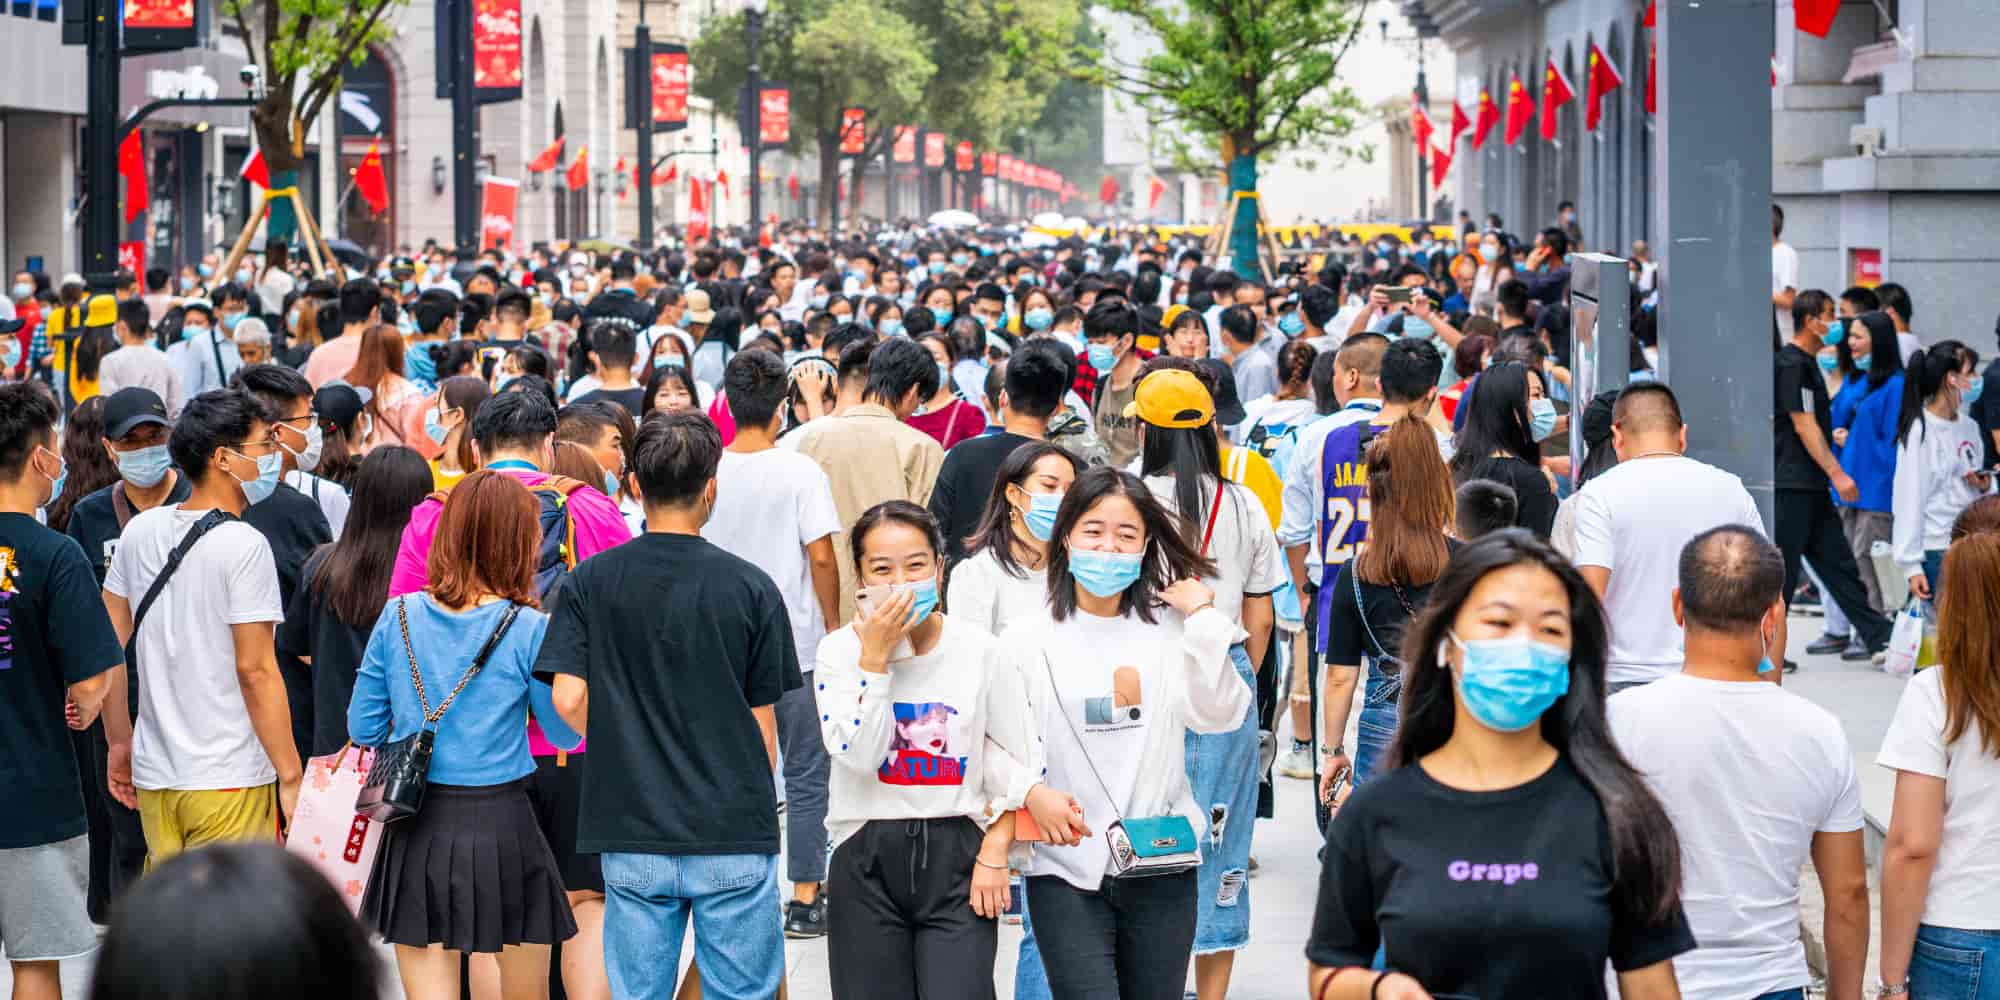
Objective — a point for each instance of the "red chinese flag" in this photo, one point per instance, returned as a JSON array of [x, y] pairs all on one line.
[[132, 167], [1420, 124], [1153, 193], [1489, 116], [548, 159], [1440, 165], [1459, 124], [673, 172], [697, 226], [1520, 110], [1652, 80], [1556, 92], [578, 174], [370, 182], [255, 170], [1604, 78], [1815, 17], [1107, 190], [792, 185], [722, 178], [1652, 13]]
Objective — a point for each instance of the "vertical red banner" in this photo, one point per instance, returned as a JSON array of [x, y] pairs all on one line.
[[132, 256], [933, 149], [963, 161], [853, 131], [774, 116], [903, 144], [670, 87], [989, 164], [496, 50], [496, 214]]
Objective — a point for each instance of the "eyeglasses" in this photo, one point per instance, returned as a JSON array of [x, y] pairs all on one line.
[[264, 445], [309, 417]]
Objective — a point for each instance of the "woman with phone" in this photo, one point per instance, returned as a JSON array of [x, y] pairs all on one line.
[[1938, 459], [1507, 849], [1130, 656], [929, 737], [1004, 575]]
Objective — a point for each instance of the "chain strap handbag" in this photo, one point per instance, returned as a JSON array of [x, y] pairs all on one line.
[[1141, 846], [396, 780]]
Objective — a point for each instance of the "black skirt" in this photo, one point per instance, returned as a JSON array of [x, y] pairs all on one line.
[[556, 789], [470, 871]]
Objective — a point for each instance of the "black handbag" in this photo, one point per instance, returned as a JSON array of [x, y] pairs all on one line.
[[396, 780]]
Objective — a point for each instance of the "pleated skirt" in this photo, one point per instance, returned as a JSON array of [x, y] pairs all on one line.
[[471, 871]]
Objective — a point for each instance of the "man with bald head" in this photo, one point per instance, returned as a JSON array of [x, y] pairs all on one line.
[[1633, 520]]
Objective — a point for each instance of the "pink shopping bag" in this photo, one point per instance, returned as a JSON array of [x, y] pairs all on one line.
[[326, 830]]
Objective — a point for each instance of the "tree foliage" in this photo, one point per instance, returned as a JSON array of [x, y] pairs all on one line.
[[303, 46]]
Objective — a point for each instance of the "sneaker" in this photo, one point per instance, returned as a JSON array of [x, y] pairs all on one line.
[[1807, 601], [1790, 667], [1296, 763], [1828, 644], [805, 921], [1856, 653]]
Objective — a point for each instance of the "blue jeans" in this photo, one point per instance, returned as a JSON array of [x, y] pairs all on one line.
[[1795, 993], [1031, 978], [739, 938], [1950, 964], [1934, 571], [1376, 728], [1222, 772]]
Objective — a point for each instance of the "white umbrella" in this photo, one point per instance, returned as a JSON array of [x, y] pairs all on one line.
[[1035, 241], [953, 217], [1048, 220]]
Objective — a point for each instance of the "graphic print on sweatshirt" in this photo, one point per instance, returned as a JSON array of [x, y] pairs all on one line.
[[921, 751], [1123, 708]]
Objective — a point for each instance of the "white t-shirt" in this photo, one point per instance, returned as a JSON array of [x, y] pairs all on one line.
[[1965, 884], [331, 497], [1784, 274], [1274, 411], [1748, 773], [145, 366], [193, 731], [1243, 546], [983, 594], [769, 505], [1634, 520]]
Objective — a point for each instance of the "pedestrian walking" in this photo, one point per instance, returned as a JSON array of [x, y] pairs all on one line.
[[1507, 417], [1868, 452], [1034, 379], [1940, 459]]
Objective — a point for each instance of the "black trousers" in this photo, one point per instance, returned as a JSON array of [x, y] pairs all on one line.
[[1129, 940], [1809, 528], [120, 842], [900, 924]]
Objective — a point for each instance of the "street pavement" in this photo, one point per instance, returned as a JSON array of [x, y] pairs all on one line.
[[1281, 892]]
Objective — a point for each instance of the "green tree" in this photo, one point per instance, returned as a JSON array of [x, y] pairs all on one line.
[[1242, 77], [303, 46]]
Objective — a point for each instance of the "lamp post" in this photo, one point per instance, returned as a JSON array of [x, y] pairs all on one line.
[[1423, 101], [753, 31], [464, 130], [642, 41]]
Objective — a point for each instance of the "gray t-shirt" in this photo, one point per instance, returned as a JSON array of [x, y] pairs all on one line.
[[1256, 374]]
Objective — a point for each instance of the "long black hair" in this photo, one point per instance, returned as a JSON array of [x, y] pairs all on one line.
[[1193, 457], [1885, 354], [353, 577], [995, 530], [1496, 419], [1929, 371], [1646, 868], [1168, 557]]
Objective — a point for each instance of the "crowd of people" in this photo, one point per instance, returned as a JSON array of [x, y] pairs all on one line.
[[1027, 568]]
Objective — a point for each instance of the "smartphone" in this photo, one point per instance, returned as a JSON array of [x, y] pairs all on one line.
[[1399, 296], [867, 599], [1341, 777]]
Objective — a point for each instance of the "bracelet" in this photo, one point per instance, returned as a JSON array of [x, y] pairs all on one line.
[[1377, 984], [981, 862], [1883, 989], [1335, 750], [1327, 983]]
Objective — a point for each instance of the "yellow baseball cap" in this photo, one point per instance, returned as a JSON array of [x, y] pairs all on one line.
[[1172, 398]]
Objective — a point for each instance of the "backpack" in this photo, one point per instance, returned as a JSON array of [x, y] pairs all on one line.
[[557, 555]]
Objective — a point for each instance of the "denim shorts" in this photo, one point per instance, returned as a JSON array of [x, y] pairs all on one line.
[[1950, 964], [1222, 771], [1376, 728]]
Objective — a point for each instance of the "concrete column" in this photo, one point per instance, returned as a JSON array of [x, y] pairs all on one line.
[[1712, 157], [40, 187]]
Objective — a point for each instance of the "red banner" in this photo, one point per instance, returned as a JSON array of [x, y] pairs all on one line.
[[496, 49], [903, 144], [132, 257], [167, 14], [853, 131], [933, 149], [1005, 168], [496, 213], [1864, 266], [989, 164], [963, 162], [774, 116], [670, 87]]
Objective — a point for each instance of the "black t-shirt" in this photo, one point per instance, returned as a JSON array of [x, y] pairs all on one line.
[[311, 629], [1986, 413], [94, 523], [1492, 895], [53, 633], [1801, 389], [1535, 507], [965, 483], [631, 399], [678, 640], [1380, 612], [294, 525], [620, 303]]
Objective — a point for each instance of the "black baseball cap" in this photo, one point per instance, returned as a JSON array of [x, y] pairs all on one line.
[[1228, 408], [130, 408], [338, 404]]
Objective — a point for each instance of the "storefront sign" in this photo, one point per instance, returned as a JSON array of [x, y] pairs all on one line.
[[156, 25], [1864, 266]]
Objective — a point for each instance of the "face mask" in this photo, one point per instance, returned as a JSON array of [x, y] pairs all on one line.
[[1541, 419], [193, 332], [205, 271], [943, 316], [501, 383], [1038, 318], [1101, 358], [944, 374], [1970, 394], [144, 467], [1489, 254], [229, 321], [1835, 331], [243, 275], [960, 260], [315, 445], [434, 427], [1106, 574], [670, 361], [56, 484], [292, 319], [1291, 324], [1040, 517], [1863, 362], [1828, 362], [187, 284], [10, 354], [1414, 327], [892, 327], [258, 490], [22, 291], [611, 484], [1506, 684], [925, 594], [817, 301]]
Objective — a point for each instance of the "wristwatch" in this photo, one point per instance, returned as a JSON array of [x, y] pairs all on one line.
[[1335, 750], [1883, 989]]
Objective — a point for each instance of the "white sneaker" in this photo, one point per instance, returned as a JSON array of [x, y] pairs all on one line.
[[1296, 764]]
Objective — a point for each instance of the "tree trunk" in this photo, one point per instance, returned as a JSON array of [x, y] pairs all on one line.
[[855, 171], [273, 122], [829, 177]]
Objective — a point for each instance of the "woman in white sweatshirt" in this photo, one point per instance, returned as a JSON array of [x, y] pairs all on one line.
[[1130, 656], [1004, 575], [929, 736], [1938, 459]]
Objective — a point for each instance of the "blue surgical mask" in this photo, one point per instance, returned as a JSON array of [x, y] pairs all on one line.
[[1291, 324], [258, 490], [205, 270], [144, 467], [1040, 517], [925, 593], [1970, 394], [1506, 684], [611, 484], [1489, 254], [1541, 418], [1828, 362], [1101, 358], [1414, 327], [229, 321], [1038, 318], [892, 328], [187, 283], [818, 301], [434, 427], [1106, 574], [192, 332], [944, 374], [943, 316], [22, 291], [1863, 362], [56, 484], [1835, 331]]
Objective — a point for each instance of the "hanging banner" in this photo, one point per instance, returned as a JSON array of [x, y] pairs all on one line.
[[157, 25], [774, 115], [989, 164], [670, 87], [132, 257], [903, 144], [496, 50], [853, 131], [933, 149], [496, 214], [1005, 168], [963, 162]]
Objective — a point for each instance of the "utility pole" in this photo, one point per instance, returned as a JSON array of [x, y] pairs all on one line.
[[753, 29], [464, 128], [642, 40], [1423, 154], [100, 168]]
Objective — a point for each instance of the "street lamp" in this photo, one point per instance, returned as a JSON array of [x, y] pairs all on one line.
[[437, 175], [753, 31], [1425, 28]]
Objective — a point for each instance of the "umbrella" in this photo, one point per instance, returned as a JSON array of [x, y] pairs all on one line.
[[1034, 241], [601, 245], [349, 253], [954, 217], [1048, 220]]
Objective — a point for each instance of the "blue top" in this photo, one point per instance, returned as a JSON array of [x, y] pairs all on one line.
[[1870, 455], [1852, 391], [483, 739]]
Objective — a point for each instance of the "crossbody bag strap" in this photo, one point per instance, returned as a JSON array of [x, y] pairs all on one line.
[[202, 527], [1214, 509], [1361, 612], [1056, 693], [215, 345], [432, 717]]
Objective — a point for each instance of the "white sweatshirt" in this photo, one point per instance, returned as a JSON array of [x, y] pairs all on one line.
[[943, 734], [1130, 692], [1930, 489], [984, 595]]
